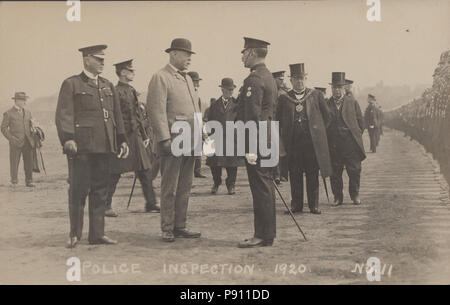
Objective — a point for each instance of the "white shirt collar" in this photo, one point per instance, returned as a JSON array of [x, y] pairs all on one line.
[[17, 108], [90, 75], [173, 67]]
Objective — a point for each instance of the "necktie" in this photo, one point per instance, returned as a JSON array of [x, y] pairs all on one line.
[[182, 74]]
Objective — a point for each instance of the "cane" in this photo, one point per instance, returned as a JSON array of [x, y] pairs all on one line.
[[43, 164], [289, 210], [132, 190]]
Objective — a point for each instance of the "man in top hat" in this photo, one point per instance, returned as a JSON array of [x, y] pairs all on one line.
[[138, 160], [322, 90], [372, 120], [348, 87], [172, 97], [281, 170], [256, 99], [91, 131], [304, 118], [17, 128], [198, 161], [345, 139], [223, 110]]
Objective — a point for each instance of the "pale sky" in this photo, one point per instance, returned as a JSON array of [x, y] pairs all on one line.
[[38, 46]]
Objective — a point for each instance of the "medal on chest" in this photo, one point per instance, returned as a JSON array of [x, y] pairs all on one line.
[[299, 107]]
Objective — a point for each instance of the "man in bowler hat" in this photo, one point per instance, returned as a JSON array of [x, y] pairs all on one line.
[[304, 117], [256, 99], [172, 97], [345, 139], [138, 160], [223, 110], [17, 128], [91, 131], [372, 122]]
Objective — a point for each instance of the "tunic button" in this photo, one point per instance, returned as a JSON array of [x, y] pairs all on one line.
[[101, 99]]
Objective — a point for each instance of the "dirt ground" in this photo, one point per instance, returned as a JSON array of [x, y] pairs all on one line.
[[404, 221]]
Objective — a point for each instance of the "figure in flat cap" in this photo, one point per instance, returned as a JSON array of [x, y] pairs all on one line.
[[256, 100], [345, 140], [91, 131], [372, 120], [138, 160]]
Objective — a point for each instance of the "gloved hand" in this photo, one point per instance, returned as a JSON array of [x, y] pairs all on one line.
[[146, 142], [70, 148], [165, 147], [371, 126], [251, 158], [123, 151]]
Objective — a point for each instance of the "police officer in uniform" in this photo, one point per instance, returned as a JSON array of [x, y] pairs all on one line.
[[256, 100], [90, 128], [345, 139], [371, 117], [138, 161], [304, 117]]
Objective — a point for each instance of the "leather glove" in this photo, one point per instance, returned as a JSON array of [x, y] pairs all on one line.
[[146, 142], [70, 148], [123, 151], [165, 147], [251, 158]]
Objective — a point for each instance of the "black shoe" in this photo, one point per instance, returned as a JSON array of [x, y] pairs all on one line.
[[185, 233], [255, 243], [199, 175], [231, 190], [214, 189], [110, 213], [73, 241], [294, 211], [316, 211], [356, 200], [29, 184], [105, 240], [277, 181], [337, 202], [152, 209], [168, 237]]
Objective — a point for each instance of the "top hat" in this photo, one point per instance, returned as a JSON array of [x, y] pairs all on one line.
[[250, 43], [181, 44], [194, 75], [128, 64], [20, 96], [96, 50], [227, 83], [371, 97], [348, 81], [337, 78], [278, 74], [297, 70]]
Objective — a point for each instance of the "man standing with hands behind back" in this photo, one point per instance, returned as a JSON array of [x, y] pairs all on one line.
[[172, 97], [90, 128]]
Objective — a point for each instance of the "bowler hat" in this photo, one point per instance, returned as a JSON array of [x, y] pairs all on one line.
[[181, 44], [227, 83], [297, 70], [371, 96], [20, 96], [321, 89], [96, 50], [348, 81], [337, 78], [250, 43], [194, 75]]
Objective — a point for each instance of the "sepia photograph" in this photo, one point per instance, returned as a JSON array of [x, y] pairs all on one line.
[[227, 143]]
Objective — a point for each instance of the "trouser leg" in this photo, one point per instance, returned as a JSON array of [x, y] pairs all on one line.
[[27, 152], [183, 191], [99, 164], [337, 185], [112, 184], [263, 193], [296, 183], [14, 160], [231, 176], [144, 177], [216, 172], [170, 174], [312, 188], [198, 165], [353, 167]]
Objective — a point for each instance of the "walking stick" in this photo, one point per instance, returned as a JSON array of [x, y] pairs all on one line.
[[132, 190], [326, 189], [289, 210], [43, 164]]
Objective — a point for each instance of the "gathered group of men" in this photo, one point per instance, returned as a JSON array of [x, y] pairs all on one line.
[[105, 131]]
